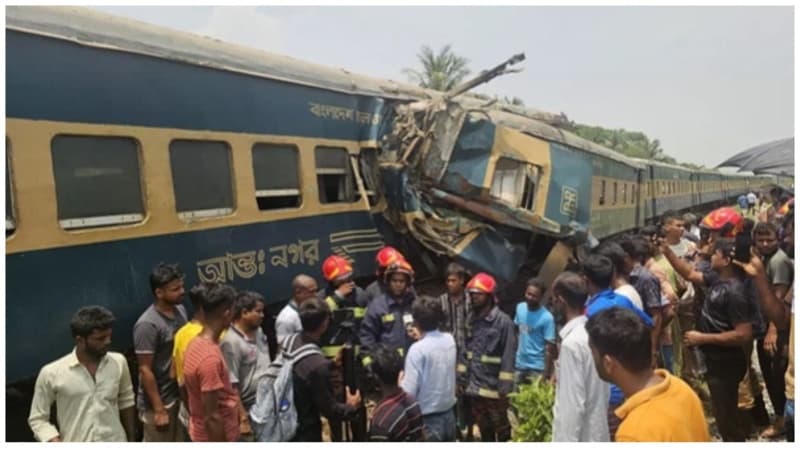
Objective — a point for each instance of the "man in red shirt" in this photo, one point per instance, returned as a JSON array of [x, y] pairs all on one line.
[[213, 402]]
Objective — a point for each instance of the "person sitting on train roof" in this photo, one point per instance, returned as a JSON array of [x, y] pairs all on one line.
[[388, 319], [153, 336], [246, 353], [90, 386], [383, 258], [304, 287], [213, 401]]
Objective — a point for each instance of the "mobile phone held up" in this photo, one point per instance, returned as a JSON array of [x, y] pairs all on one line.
[[742, 247]]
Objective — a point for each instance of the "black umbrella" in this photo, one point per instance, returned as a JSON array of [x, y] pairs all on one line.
[[776, 158]]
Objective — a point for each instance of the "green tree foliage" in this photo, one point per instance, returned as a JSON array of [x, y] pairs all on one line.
[[441, 71], [630, 143], [534, 410]]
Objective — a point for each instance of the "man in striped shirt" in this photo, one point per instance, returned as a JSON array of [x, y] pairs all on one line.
[[398, 417]]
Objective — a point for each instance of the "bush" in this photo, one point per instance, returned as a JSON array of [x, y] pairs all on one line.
[[534, 411]]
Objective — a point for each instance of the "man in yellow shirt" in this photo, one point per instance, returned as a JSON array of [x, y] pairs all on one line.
[[659, 407], [183, 336]]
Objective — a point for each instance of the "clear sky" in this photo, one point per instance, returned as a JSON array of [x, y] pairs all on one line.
[[707, 81]]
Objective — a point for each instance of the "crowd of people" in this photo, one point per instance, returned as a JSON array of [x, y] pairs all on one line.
[[643, 339]]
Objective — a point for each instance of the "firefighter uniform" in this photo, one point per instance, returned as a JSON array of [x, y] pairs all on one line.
[[342, 331], [486, 368], [388, 319]]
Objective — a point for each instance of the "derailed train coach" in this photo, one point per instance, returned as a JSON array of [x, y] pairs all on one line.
[[128, 144]]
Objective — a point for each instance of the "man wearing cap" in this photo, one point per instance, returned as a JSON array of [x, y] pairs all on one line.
[[486, 369]]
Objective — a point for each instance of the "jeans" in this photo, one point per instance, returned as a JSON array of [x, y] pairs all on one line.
[[440, 427], [723, 377], [773, 368], [788, 418], [667, 358], [525, 376]]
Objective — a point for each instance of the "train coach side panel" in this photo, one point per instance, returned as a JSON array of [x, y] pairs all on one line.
[[45, 287]]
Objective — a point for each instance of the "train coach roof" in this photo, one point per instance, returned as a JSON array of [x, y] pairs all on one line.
[[551, 133], [95, 28], [665, 165]]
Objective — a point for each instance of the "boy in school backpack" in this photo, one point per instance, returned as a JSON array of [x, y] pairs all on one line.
[[288, 408]]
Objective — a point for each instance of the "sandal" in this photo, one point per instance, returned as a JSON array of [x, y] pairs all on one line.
[[773, 431]]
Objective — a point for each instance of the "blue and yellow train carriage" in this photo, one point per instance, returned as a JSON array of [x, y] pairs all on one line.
[[129, 144]]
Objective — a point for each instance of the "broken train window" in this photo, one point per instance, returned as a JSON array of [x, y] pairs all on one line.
[[514, 183], [334, 176], [367, 166]]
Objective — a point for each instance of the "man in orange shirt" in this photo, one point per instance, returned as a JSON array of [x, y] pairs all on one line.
[[659, 407]]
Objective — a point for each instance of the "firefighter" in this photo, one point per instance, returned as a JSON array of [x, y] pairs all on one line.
[[340, 343], [486, 369], [722, 222], [388, 319], [385, 257]]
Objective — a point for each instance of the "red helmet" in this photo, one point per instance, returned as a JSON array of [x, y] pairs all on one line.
[[400, 266], [386, 256], [336, 268], [784, 209], [482, 282], [725, 220]]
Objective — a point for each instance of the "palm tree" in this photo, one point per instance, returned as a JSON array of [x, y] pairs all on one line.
[[441, 71], [654, 150]]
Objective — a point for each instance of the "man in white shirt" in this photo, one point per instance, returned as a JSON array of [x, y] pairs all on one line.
[[288, 320], [581, 403], [91, 387], [620, 283]]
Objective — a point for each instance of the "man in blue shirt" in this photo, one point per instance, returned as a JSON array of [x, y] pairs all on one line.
[[537, 336], [598, 271], [430, 371]]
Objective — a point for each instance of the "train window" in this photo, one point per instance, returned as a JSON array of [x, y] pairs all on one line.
[[624, 193], [334, 176], [97, 181], [514, 183], [368, 169], [11, 221], [602, 192], [614, 202], [276, 171], [201, 178]]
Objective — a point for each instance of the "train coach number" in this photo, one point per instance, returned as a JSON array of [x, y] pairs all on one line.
[[569, 201]]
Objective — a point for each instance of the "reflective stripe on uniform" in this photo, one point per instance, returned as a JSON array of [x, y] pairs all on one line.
[[330, 351], [488, 393], [359, 313], [401, 351], [461, 368], [387, 318], [506, 376], [491, 359], [469, 355], [366, 361], [331, 303]]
